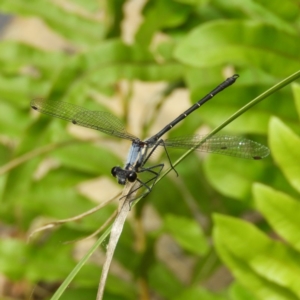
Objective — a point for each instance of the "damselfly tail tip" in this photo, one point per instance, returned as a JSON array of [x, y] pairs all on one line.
[[231, 80]]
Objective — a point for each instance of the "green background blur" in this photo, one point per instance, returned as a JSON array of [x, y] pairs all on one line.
[[226, 228]]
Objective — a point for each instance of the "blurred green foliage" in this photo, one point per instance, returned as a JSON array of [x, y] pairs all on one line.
[[258, 40]]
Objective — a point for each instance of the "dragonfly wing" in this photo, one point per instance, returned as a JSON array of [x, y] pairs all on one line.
[[58, 109], [102, 121], [221, 144]]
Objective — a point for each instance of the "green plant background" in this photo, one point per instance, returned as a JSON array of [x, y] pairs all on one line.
[[225, 228]]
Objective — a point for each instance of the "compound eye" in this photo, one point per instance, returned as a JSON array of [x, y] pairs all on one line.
[[131, 177], [114, 171]]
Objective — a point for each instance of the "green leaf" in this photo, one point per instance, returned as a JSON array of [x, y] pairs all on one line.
[[87, 158], [237, 182], [104, 65], [260, 54], [115, 51], [56, 196], [244, 43], [238, 292], [281, 211], [9, 115], [14, 193], [17, 89], [120, 288], [74, 27], [286, 10], [196, 293], [267, 268], [145, 72], [192, 2], [164, 281], [13, 254], [160, 14], [262, 10], [163, 196], [77, 293], [57, 265], [116, 12], [66, 77], [285, 145], [16, 55], [91, 6], [187, 233]]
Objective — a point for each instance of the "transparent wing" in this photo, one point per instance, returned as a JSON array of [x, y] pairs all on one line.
[[221, 144], [103, 121], [99, 120]]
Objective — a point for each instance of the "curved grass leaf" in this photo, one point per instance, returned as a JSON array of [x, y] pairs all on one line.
[[79, 266], [252, 103], [250, 84], [296, 93]]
